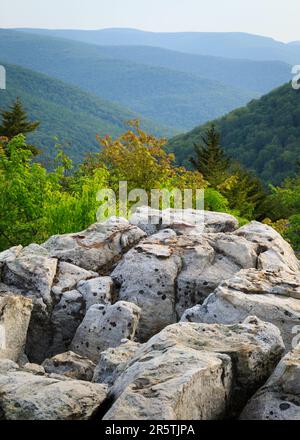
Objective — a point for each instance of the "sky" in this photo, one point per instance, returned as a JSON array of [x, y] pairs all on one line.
[[274, 18]]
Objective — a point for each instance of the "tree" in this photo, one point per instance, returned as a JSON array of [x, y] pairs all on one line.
[[210, 159], [15, 122], [140, 159]]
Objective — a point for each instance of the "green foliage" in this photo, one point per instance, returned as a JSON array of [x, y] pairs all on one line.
[[35, 204], [14, 122], [210, 158], [264, 136]]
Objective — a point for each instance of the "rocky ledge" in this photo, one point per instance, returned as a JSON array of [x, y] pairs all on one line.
[[166, 321]]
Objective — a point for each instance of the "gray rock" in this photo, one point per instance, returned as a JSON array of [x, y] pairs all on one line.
[[25, 396], [275, 252], [65, 319], [147, 276], [15, 312], [96, 291], [279, 398], [98, 247], [71, 365], [33, 272], [196, 372], [188, 221], [34, 368], [7, 365], [68, 276], [265, 294], [105, 326], [113, 361]]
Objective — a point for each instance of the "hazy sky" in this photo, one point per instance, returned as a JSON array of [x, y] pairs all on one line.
[[275, 18]]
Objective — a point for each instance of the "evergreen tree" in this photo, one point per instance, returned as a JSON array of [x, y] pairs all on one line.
[[210, 160], [15, 122]]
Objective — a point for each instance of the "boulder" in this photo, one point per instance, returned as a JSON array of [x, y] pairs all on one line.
[[96, 291], [112, 361], [98, 247], [196, 372], [268, 295], [146, 277], [179, 271], [26, 396], [279, 398], [275, 252], [9, 255], [105, 326], [189, 221], [32, 271], [65, 319], [15, 312], [68, 276], [71, 365]]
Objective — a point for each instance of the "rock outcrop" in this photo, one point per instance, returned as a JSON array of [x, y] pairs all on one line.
[[15, 312], [182, 318], [279, 398], [196, 371], [271, 296], [26, 396], [71, 365], [104, 327]]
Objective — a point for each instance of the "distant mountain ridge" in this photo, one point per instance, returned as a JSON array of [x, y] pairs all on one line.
[[224, 44], [176, 99], [264, 136], [68, 113]]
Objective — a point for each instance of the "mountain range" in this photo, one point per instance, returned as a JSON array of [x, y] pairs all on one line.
[[177, 99], [230, 44], [83, 83]]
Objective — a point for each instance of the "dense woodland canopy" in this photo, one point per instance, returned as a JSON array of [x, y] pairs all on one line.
[[36, 203], [264, 136]]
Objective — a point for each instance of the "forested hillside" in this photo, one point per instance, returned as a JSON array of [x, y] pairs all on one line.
[[258, 76], [264, 136], [73, 116], [176, 99]]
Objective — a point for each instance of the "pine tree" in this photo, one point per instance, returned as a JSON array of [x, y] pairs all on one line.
[[14, 122], [210, 160]]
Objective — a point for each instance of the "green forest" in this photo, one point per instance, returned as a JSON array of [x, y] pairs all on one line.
[[37, 202], [264, 136]]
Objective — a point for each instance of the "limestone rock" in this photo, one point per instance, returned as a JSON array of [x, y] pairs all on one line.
[[279, 398], [9, 255], [34, 368], [96, 291], [275, 252], [98, 247], [33, 272], [68, 276], [268, 295], [189, 221], [113, 361], [146, 277], [71, 365], [15, 312], [196, 371], [105, 326], [65, 319], [25, 396], [7, 365]]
